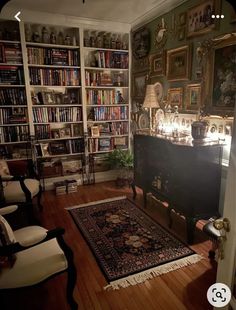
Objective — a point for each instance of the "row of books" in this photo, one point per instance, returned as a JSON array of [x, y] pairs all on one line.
[[10, 53], [57, 114], [52, 56], [108, 59], [54, 77], [14, 133], [104, 96], [12, 96], [117, 128], [107, 144], [11, 75], [48, 132], [13, 115], [110, 113], [105, 78]]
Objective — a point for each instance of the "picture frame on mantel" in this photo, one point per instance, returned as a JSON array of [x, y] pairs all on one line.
[[179, 63], [157, 64], [199, 18]]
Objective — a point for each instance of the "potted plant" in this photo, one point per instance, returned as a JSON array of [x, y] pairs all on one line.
[[123, 161]]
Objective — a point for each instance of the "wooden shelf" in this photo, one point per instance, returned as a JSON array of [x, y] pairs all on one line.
[[108, 105], [10, 85], [86, 48], [10, 41], [56, 105], [66, 138], [106, 87], [76, 122], [13, 106], [53, 66], [109, 121], [111, 136], [107, 69], [56, 86], [16, 124], [10, 64], [14, 142], [52, 45]]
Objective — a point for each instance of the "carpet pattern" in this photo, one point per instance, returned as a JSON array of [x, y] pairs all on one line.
[[126, 241]]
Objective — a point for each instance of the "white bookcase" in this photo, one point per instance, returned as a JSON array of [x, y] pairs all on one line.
[[77, 89]]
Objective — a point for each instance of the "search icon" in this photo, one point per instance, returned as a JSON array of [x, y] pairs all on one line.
[[219, 295]]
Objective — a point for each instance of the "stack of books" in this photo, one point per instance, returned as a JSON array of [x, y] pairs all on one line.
[[71, 186], [60, 187]]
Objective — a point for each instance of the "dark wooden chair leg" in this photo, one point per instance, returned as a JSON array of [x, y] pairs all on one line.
[[40, 206], [72, 274], [134, 190]]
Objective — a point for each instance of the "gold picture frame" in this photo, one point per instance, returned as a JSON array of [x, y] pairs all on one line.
[[193, 97], [157, 64], [175, 97], [199, 17], [95, 131], [219, 88], [179, 63]]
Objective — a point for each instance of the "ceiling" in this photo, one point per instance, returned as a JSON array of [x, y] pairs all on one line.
[[123, 11]]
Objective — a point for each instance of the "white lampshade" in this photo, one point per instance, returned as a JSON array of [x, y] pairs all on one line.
[[151, 100]]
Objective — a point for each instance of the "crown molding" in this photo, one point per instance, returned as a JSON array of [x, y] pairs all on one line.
[[161, 8], [39, 17]]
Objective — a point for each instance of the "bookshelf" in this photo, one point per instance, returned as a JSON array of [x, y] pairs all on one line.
[[106, 73], [14, 121], [58, 84], [53, 61]]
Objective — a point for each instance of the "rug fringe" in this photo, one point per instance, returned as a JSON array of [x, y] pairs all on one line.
[[153, 272], [96, 202]]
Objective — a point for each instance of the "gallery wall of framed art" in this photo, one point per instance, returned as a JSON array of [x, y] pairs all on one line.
[[183, 55]]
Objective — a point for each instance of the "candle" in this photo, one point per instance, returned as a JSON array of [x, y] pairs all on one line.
[[162, 21]]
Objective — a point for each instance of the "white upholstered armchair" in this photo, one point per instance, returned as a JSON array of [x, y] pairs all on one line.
[[30, 255], [19, 189]]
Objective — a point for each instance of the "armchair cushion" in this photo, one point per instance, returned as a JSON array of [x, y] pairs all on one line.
[[30, 235], [34, 265], [14, 193]]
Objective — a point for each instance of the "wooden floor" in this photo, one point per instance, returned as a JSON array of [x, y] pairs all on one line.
[[182, 289]]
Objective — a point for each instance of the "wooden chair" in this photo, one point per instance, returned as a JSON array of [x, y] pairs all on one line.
[[34, 255], [19, 190]]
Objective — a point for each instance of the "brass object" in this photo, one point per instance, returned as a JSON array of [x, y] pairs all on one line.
[[223, 225]]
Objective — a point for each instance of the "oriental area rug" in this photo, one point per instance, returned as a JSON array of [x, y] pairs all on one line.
[[129, 246]]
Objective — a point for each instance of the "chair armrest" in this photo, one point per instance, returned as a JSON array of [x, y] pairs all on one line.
[[20, 179], [17, 247], [8, 210]]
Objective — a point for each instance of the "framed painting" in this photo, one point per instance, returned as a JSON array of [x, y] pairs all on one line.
[[141, 43], [193, 97], [199, 18], [178, 63], [175, 97], [139, 84], [224, 83], [157, 64]]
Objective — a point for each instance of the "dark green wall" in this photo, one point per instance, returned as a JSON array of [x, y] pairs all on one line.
[[225, 26]]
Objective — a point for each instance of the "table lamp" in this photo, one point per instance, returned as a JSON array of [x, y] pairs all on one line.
[[151, 101]]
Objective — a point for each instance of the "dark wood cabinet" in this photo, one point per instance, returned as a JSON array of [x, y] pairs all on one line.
[[185, 175]]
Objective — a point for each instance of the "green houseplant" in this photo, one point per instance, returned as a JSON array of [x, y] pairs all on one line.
[[123, 161]]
